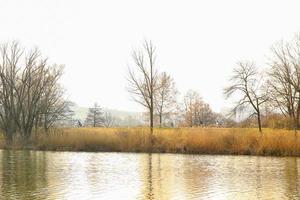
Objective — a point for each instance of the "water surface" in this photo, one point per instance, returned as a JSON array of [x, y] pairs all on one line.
[[32, 175]]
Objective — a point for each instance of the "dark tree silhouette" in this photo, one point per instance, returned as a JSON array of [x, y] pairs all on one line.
[[95, 117]]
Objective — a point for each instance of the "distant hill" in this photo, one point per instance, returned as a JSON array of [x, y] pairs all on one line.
[[122, 118]]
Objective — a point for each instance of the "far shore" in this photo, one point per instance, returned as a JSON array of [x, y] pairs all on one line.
[[204, 141]]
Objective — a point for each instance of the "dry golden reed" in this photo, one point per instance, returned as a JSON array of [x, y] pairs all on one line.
[[239, 141]]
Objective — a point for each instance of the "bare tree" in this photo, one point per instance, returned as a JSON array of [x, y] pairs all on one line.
[[191, 99], [52, 105], [284, 79], [246, 82], [206, 116], [109, 120], [65, 118], [142, 79], [38, 93], [95, 117], [165, 97], [196, 111], [25, 79], [10, 56]]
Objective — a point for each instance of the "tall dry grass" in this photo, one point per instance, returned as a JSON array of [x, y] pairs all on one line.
[[240, 141]]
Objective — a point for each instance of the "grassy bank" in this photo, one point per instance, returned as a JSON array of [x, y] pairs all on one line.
[[185, 140]]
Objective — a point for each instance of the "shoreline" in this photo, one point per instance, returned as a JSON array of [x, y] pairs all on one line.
[[140, 152], [189, 141]]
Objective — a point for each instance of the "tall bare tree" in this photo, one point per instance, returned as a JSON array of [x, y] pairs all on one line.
[[284, 79], [246, 82], [165, 97], [142, 79]]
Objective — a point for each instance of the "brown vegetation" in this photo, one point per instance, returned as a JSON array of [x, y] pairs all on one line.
[[31, 96], [238, 141]]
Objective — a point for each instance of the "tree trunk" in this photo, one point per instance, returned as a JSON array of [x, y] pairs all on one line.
[[9, 132], [8, 137], [296, 124], [160, 120], [151, 127], [259, 122]]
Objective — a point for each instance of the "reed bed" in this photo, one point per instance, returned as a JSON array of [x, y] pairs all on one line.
[[238, 141]]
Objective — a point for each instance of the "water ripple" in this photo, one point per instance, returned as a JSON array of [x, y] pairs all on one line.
[[66, 175]]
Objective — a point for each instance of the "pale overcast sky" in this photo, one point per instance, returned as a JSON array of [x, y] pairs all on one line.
[[198, 42]]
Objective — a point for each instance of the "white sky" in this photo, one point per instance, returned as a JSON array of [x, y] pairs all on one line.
[[198, 42]]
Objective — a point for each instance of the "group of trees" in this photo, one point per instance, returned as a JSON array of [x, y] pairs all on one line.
[[272, 94], [196, 112], [31, 96], [157, 93], [276, 90]]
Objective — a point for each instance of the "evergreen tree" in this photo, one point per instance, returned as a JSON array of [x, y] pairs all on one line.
[[95, 117]]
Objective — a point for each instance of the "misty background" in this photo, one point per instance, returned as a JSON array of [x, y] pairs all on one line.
[[198, 43]]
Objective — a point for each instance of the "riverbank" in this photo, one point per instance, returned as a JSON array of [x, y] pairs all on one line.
[[236, 141]]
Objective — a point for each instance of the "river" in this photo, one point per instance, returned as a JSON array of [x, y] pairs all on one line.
[[32, 175]]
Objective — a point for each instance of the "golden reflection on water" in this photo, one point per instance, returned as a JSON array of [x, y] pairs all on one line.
[[65, 175]]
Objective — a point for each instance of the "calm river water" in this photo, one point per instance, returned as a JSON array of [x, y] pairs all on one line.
[[30, 175]]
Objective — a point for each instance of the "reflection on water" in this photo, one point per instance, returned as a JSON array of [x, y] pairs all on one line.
[[65, 175]]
